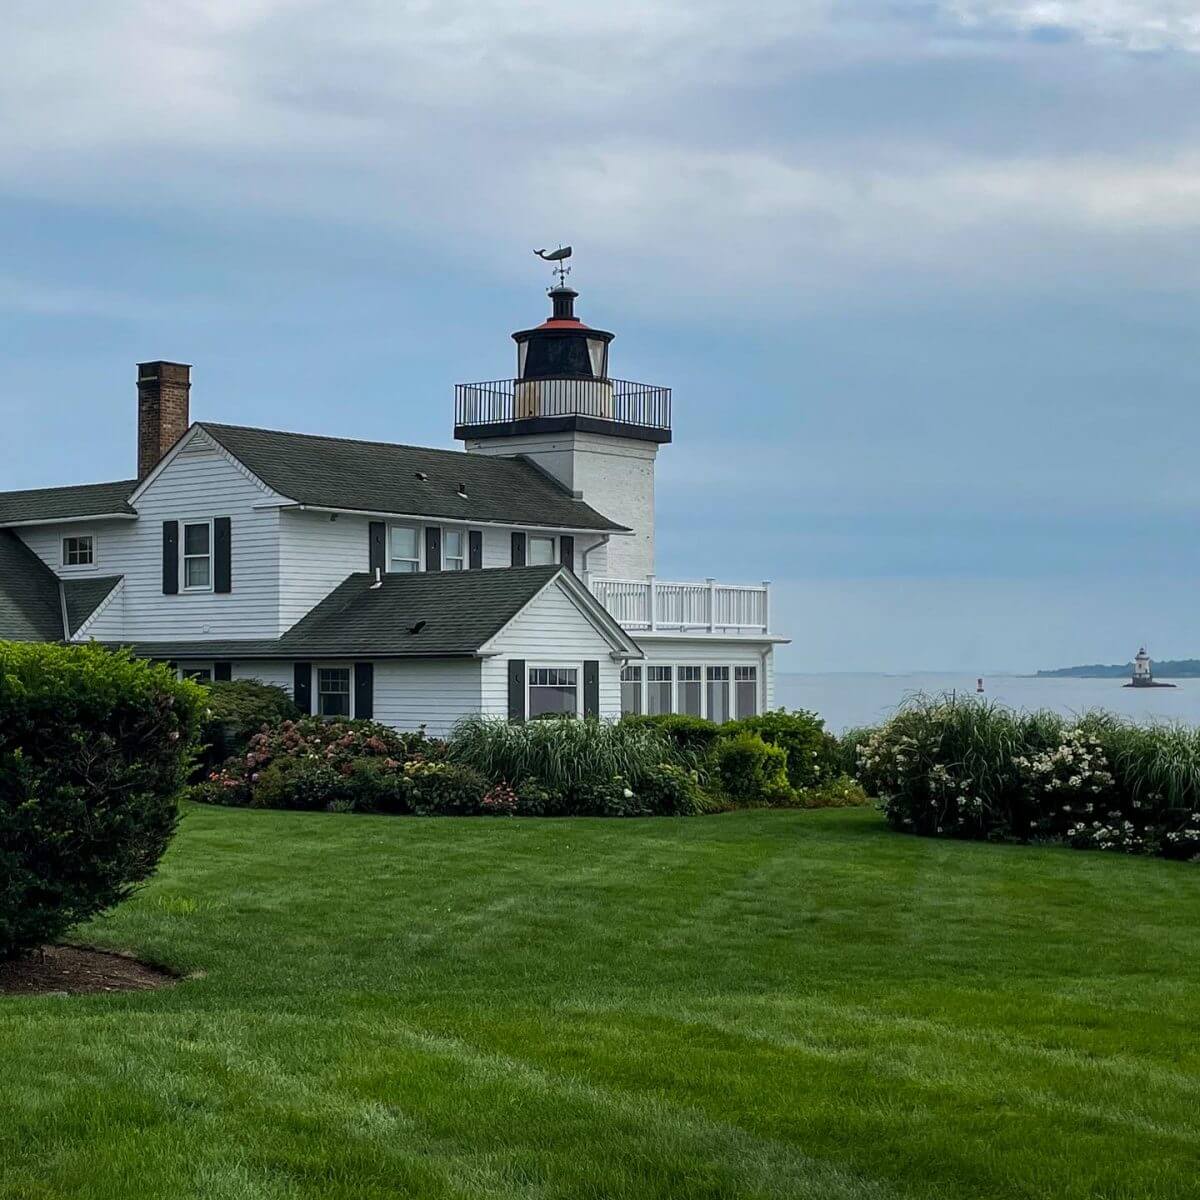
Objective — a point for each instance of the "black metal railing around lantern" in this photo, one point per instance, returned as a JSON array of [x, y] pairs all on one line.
[[481, 408]]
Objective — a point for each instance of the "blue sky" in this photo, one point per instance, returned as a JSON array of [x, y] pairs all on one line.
[[923, 277]]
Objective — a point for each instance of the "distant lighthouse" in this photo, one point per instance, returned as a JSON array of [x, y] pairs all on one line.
[[1143, 674]]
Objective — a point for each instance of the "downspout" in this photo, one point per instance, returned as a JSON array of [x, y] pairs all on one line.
[[583, 558]]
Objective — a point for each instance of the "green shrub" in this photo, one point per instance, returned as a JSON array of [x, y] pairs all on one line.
[[605, 797], [560, 755], [692, 737], [235, 711], [94, 749], [443, 788], [671, 791], [534, 799], [842, 791], [751, 771], [296, 783], [812, 754]]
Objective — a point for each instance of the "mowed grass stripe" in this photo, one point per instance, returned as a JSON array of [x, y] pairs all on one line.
[[757, 1004]]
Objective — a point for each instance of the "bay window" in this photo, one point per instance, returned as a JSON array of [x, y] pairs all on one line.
[[658, 691], [745, 687], [631, 690], [689, 691]]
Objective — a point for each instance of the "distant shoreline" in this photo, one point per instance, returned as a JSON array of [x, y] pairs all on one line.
[[1185, 668]]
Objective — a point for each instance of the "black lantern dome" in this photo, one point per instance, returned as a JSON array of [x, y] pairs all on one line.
[[562, 347]]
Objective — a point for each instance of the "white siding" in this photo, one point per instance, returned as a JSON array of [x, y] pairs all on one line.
[[410, 693], [110, 539], [315, 555], [266, 671], [550, 631]]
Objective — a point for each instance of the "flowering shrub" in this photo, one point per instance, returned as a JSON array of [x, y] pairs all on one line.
[[500, 801], [966, 768], [443, 788], [840, 792]]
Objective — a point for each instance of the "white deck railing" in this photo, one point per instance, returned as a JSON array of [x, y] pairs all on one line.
[[709, 607]]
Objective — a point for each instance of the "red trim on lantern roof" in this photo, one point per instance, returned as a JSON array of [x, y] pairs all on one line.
[[551, 323]]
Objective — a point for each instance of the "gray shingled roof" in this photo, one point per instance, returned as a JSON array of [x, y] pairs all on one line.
[[83, 597], [381, 477], [30, 603], [57, 503]]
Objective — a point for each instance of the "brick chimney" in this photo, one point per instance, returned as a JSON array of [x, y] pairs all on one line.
[[163, 389]]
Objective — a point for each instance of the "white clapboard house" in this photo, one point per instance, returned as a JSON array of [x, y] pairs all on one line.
[[513, 578]]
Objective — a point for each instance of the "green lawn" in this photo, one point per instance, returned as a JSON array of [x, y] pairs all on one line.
[[767, 1004]]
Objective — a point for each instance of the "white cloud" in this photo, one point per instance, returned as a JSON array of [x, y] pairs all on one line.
[[1132, 24]]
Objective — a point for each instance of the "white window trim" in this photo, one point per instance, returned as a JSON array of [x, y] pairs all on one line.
[[62, 550], [642, 680], [729, 693], [676, 683], [733, 685], [556, 665], [466, 546], [552, 538], [646, 681], [184, 556], [419, 530], [317, 668]]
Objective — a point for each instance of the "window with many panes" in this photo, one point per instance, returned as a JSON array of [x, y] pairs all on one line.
[[745, 689], [631, 690], [658, 690], [541, 551], [689, 691], [718, 694], [333, 691], [405, 553], [196, 548], [553, 691], [78, 551], [454, 549]]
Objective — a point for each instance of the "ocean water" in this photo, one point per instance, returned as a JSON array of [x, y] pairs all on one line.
[[846, 700]]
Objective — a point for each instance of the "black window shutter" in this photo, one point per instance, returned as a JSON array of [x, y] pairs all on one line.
[[222, 554], [364, 690], [518, 549], [302, 687], [376, 546], [516, 688], [475, 549], [566, 551], [222, 672], [433, 548], [591, 687], [170, 558]]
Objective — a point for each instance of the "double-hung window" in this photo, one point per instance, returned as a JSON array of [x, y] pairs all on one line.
[[658, 691], [333, 691], [689, 691], [78, 551], [196, 548], [718, 694], [542, 552], [745, 687], [631, 690], [405, 556], [454, 549], [553, 691]]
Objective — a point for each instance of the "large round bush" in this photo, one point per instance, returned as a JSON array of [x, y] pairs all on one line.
[[94, 749]]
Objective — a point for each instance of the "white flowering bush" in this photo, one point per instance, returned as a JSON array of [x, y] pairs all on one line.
[[966, 768]]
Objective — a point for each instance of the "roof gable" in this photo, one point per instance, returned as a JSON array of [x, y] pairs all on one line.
[[43, 505], [382, 477], [83, 596], [31, 606]]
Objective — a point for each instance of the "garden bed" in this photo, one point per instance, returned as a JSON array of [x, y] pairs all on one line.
[[72, 970]]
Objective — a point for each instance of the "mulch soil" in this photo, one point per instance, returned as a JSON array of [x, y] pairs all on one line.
[[72, 970]]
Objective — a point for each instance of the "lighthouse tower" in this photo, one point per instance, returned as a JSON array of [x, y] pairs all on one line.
[[1141, 667], [596, 435]]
